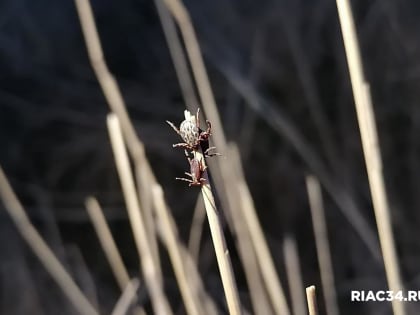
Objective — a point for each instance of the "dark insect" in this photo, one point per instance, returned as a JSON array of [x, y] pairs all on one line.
[[194, 137], [197, 169]]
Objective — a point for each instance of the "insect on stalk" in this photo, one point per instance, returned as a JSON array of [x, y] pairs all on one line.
[[197, 168], [194, 137]]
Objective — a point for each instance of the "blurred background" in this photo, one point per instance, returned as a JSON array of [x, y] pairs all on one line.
[[289, 56]]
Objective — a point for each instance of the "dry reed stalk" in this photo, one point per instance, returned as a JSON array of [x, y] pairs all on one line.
[[143, 179], [219, 242], [110, 248], [265, 260], [116, 102], [171, 239], [207, 99], [257, 289], [40, 248], [198, 68], [371, 150], [178, 57], [192, 46], [150, 270], [322, 244], [107, 241], [294, 275], [81, 273], [193, 275], [311, 298], [197, 282], [196, 231], [127, 298]]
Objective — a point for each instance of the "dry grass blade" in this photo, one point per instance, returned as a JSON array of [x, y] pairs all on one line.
[[188, 295], [311, 298], [107, 241], [192, 46], [110, 248], [143, 179], [266, 263], [219, 242], [198, 68], [178, 56], [194, 278], [294, 275], [150, 272], [322, 244], [114, 98], [371, 150], [255, 281], [106, 80], [34, 240], [196, 229], [127, 298]]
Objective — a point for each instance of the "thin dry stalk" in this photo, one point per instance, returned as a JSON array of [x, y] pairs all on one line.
[[197, 282], [98, 219], [257, 289], [150, 272], [322, 244], [144, 178], [294, 275], [40, 248], [116, 102], [197, 229], [182, 18], [193, 274], [107, 241], [172, 244], [220, 247], [178, 56], [207, 99], [81, 274], [311, 298], [371, 150], [127, 298], [198, 68], [265, 260], [106, 80]]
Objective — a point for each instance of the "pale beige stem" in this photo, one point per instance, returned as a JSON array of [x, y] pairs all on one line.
[[144, 179], [256, 286], [197, 282], [127, 298], [322, 244], [116, 102], [188, 295], [112, 253], [107, 242], [196, 229], [265, 260], [371, 150], [219, 242], [192, 46], [311, 298], [150, 272], [106, 80], [194, 279], [40, 248], [178, 56], [294, 275], [198, 68]]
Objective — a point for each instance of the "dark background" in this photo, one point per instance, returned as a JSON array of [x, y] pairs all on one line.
[[55, 148]]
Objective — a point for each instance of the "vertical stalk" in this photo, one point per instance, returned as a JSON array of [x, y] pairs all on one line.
[[371, 150]]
